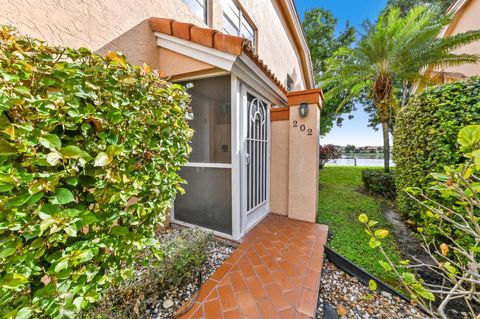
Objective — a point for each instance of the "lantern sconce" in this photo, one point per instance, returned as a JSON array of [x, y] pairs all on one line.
[[303, 110]]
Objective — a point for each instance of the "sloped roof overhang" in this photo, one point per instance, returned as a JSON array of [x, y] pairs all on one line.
[[456, 6], [229, 53]]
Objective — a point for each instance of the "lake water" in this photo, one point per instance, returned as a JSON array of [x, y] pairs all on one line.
[[362, 160]]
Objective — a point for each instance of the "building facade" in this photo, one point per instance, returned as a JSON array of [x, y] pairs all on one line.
[[256, 109], [465, 18]]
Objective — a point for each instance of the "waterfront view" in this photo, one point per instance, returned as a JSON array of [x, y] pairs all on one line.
[[360, 159]]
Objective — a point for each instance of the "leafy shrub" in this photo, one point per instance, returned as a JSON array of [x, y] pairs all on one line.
[[184, 252], [89, 153], [425, 136], [456, 260], [379, 182], [328, 153]]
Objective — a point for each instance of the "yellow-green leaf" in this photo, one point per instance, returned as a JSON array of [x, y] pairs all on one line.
[[381, 233], [363, 218], [102, 159]]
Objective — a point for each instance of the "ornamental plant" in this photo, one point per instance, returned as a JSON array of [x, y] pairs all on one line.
[[456, 260], [184, 252], [380, 183], [328, 153], [425, 139], [89, 153]]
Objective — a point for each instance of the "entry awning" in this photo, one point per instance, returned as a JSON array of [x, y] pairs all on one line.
[[230, 53]]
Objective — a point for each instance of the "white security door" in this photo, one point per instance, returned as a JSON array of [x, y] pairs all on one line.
[[256, 163]]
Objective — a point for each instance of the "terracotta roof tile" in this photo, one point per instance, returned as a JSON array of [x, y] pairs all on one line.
[[229, 43], [213, 39], [202, 36], [181, 30], [161, 25]]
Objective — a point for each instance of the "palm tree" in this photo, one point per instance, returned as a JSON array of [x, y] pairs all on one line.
[[386, 62]]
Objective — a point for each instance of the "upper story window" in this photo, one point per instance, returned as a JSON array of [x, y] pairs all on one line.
[[199, 8], [236, 22], [289, 83]]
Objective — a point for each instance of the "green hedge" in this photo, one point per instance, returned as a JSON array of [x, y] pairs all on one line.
[[89, 153], [425, 136], [378, 182]]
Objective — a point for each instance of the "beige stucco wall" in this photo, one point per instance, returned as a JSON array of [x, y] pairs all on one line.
[[279, 167], [173, 63], [303, 164], [98, 25], [275, 43], [468, 18], [122, 25]]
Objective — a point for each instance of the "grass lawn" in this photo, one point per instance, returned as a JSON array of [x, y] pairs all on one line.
[[340, 204]]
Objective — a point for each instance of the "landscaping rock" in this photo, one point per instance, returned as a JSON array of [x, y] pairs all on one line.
[[168, 303], [217, 253], [353, 300], [341, 310]]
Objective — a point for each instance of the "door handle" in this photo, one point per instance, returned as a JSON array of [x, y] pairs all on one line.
[[247, 159]]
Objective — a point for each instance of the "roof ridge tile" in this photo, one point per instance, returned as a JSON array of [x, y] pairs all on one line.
[[214, 39]]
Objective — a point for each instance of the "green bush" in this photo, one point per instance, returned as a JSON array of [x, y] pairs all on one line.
[[455, 259], [425, 136], [89, 153], [379, 182], [185, 251]]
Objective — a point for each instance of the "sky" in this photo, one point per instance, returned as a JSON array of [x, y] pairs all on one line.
[[353, 131]]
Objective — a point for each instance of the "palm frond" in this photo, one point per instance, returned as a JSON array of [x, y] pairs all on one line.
[[456, 41], [394, 50], [453, 60]]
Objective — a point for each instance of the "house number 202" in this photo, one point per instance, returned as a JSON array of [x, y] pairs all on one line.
[[302, 128]]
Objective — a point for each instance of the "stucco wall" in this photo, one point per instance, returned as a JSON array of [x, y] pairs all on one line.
[[303, 164], [279, 167], [98, 25], [173, 63], [275, 43], [468, 18], [121, 25]]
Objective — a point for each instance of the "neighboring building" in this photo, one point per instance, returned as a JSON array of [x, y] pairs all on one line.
[[253, 153], [466, 15]]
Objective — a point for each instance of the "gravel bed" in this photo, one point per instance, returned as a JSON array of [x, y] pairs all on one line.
[[352, 299], [217, 253]]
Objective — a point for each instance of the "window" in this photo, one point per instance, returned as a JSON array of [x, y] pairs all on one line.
[[235, 22], [199, 8], [289, 83]]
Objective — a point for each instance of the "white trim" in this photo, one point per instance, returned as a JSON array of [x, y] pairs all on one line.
[[215, 232], [252, 217], [240, 66], [269, 162], [197, 51], [212, 74], [209, 165], [454, 8], [251, 74], [243, 159], [236, 160]]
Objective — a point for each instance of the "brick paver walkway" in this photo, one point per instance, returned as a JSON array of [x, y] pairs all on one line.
[[274, 273]]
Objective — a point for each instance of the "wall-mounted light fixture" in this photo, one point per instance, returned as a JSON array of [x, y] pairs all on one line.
[[303, 110]]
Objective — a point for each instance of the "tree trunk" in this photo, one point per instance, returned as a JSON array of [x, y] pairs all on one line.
[[386, 147], [404, 94]]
